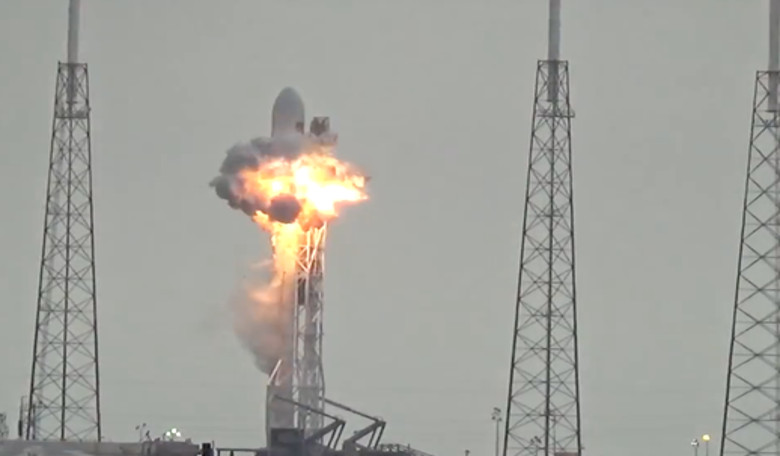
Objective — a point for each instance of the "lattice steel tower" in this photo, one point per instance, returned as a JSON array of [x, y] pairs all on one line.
[[751, 416], [543, 408], [64, 398]]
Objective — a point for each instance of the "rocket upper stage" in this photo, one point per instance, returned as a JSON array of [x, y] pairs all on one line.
[[288, 114]]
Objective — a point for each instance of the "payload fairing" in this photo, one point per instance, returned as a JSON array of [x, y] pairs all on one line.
[[288, 115]]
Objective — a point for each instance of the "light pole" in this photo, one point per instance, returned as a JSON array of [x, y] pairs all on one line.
[[496, 417], [695, 445], [706, 439], [141, 428]]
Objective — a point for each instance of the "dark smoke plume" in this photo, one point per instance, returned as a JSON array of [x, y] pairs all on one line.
[[250, 156]]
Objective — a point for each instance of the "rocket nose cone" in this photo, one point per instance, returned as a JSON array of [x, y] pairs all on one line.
[[288, 112], [288, 97]]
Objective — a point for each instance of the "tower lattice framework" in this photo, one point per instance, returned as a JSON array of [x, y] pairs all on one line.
[[64, 397], [751, 417], [309, 387], [543, 408], [299, 375]]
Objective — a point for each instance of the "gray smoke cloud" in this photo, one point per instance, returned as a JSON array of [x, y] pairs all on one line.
[[262, 317], [229, 185]]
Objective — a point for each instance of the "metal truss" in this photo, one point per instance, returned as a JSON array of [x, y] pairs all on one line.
[[309, 386], [543, 408], [298, 378], [64, 398], [751, 416]]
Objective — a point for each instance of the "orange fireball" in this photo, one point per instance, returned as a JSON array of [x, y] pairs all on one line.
[[305, 192]]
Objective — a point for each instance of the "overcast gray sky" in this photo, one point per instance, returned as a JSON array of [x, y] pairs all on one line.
[[433, 99]]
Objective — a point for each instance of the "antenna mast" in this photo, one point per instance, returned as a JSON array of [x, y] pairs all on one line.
[[774, 52], [554, 50], [73, 31]]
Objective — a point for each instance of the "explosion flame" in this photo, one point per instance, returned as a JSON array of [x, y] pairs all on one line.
[[289, 186]]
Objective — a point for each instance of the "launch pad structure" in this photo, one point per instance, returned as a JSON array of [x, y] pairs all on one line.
[[298, 416], [297, 384]]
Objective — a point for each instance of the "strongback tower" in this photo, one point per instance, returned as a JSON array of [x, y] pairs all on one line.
[[310, 380], [299, 375], [751, 416], [543, 408], [64, 397]]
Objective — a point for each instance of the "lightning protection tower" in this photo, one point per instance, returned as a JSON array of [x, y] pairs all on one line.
[[64, 397], [751, 414], [543, 407]]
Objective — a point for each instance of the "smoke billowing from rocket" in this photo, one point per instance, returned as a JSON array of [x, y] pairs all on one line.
[[288, 183]]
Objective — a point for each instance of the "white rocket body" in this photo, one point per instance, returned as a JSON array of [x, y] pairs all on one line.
[[288, 115]]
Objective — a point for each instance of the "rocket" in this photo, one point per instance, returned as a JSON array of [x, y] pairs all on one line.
[[288, 116]]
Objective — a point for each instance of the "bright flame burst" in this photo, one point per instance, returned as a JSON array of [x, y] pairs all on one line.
[[291, 187], [316, 183]]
